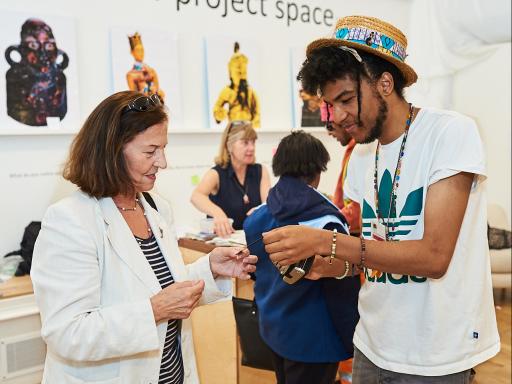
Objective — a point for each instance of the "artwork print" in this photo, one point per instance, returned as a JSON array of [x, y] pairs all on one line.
[[237, 100], [146, 60], [233, 74], [141, 77], [310, 110], [36, 82], [306, 107]]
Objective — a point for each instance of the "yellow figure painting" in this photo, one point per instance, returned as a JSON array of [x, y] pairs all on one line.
[[142, 77], [241, 100]]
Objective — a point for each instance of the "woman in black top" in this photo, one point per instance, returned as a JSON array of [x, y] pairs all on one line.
[[236, 185]]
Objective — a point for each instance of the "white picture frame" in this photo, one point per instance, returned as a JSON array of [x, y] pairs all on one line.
[[161, 53], [64, 32], [219, 50]]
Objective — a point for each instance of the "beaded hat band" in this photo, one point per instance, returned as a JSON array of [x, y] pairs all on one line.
[[371, 35]]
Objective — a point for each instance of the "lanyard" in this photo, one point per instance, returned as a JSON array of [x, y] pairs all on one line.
[[396, 179]]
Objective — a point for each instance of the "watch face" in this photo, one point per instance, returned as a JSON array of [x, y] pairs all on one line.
[[294, 275], [285, 269]]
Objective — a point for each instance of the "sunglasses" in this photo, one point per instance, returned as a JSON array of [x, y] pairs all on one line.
[[236, 123], [143, 103]]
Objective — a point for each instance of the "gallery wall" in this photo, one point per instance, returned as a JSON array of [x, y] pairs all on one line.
[[30, 164], [483, 92], [461, 51]]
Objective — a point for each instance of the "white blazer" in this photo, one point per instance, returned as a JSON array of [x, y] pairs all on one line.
[[92, 284]]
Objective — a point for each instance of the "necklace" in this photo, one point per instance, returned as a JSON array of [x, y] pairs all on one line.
[[134, 208], [243, 189], [396, 180], [141, 240], [147, 223]]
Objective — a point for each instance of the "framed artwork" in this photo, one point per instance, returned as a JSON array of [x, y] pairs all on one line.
[[233, 77], [305, 107], [38, 74], [147, 60]]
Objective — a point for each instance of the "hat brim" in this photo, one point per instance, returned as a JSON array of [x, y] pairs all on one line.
[[409, 74]]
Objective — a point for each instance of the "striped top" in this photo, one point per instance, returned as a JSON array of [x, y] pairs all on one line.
[[171, 367]]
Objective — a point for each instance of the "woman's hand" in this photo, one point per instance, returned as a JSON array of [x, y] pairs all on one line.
[[222, 226], [232, 262], [322, 268], [292, 243], [177, 300]]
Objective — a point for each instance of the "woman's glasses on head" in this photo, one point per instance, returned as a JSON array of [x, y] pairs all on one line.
[[236, 123], [143, 103]]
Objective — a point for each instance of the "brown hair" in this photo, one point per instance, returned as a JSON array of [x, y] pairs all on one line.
[[235, 130], [96, 162]]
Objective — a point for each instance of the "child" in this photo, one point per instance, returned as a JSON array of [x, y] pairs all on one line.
[[309, 324]]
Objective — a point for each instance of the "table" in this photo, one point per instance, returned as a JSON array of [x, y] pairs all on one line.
[[16, 286], [22, 285], [195, 245], [215, 325]]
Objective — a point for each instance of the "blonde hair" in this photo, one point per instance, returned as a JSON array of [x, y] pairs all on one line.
[[235, 130]]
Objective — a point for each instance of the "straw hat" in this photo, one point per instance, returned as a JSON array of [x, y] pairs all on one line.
[[371, 35]]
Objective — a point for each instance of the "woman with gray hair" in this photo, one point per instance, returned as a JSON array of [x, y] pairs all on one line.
[[236, 184]]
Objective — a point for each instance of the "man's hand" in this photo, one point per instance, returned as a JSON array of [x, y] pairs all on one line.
[[232, 262], [292, 243], [322, 268]]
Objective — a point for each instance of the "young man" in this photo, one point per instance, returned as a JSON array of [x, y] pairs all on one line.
[[350, 209], [426, 307]]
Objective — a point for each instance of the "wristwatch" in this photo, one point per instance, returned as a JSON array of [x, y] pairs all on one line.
[[294, 272]]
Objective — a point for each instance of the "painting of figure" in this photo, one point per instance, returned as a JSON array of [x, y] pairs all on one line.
[[233, 68], [141, 77], [305, 107], [147, 60], [38, 74], [310, 112], [238, 100]]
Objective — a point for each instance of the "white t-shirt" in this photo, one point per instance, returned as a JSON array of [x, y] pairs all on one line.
[[418, 325]]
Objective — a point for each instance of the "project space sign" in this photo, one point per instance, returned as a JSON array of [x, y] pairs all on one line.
[[289, 12]]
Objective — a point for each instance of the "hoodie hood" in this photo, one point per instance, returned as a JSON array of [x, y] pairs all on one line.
[[292, 200]]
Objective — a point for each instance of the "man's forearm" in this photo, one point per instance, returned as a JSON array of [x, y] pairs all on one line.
[[412, 257]]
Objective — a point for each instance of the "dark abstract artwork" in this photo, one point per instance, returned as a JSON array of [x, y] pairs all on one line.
[[35, 81]]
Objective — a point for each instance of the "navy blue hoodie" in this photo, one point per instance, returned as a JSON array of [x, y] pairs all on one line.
[[309, 321]]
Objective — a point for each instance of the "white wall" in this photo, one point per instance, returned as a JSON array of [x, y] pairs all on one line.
[[482, 91], [193, 23], [30, 165]]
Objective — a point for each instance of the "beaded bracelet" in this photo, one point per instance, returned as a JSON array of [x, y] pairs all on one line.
[[362, 264], [347, 268], [333, 245]]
